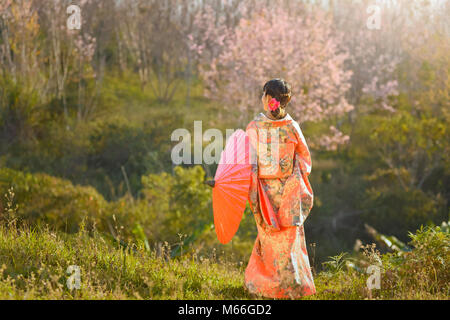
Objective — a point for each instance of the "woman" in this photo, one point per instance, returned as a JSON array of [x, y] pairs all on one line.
[[280, 198]]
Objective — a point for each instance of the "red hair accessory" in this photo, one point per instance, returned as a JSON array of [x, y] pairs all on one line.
[[274, 104]]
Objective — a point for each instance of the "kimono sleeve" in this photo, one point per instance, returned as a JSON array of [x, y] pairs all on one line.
[[303, 158], [253, 192], [303, 151]]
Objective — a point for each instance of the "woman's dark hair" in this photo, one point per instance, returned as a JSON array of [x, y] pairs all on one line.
[[280, 90]]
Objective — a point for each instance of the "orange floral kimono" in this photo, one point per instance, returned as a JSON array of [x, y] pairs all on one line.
[[281, 198]]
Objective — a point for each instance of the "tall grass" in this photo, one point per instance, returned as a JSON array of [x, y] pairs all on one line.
[[33, 265], [34, 262]]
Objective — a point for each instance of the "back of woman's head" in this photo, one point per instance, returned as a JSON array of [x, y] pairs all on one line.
[[281, 91]]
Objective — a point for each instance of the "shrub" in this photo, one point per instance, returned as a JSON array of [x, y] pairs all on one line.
[[424, 269], [43, 199]]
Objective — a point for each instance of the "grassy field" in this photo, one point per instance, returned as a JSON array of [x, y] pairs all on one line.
[[34, 262]]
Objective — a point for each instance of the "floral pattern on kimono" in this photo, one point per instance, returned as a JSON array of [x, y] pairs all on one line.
[[279, 265]]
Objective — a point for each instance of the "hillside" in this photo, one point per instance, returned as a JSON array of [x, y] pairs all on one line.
[[33, 265]]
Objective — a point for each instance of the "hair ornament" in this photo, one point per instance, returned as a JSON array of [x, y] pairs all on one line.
[[274, 104]]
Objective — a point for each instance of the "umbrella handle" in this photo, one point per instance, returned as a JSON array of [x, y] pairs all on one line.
[[210, 183]]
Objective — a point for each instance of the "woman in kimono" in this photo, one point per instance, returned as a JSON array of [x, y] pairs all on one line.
[[280, 198]]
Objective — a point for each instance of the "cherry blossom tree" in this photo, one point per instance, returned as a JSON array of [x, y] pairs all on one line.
[[374, 52], [276, 42]]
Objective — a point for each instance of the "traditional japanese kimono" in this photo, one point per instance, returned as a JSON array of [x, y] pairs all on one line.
[[281, 198]]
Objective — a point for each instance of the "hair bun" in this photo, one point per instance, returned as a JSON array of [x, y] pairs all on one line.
[[281, 91]]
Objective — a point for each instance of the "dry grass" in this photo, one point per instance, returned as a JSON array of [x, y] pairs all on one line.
[[33, 265]]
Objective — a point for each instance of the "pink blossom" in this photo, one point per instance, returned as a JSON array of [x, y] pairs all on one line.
[[274, 104]]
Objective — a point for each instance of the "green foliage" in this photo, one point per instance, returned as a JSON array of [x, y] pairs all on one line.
[[336, 263], [20, 113], [94, 153], [159, 215], [183, 202], [397, 211], [33, 265], [423, 270], [429, 263], [9, 212], [140, 149], [406, 151], [420, 273], [56, 202]]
